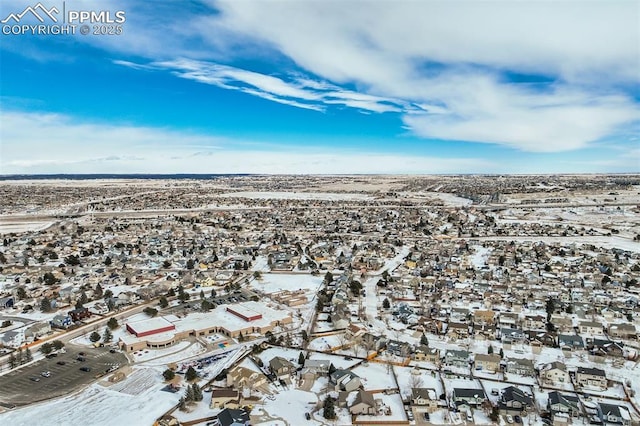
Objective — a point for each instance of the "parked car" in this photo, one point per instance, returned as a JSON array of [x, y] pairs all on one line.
[[46, 374], [81, 359], [517, 419], [307, 416], [34, 379], [509, 418], [61, 363], [86, 369]]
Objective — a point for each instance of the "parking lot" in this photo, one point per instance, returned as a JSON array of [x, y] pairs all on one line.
[[28, 384]]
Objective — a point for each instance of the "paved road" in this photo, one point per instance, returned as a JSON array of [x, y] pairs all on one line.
[[17, 387]]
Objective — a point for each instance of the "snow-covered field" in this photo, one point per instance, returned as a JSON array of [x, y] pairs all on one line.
[[270, 283], [99, 406], [7, 227], [324, 196]]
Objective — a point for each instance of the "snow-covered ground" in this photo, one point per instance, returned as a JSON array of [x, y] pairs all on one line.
[[376, 376], [270, 283], [324, 196], [288, 406], [99, 406], [7, 227]]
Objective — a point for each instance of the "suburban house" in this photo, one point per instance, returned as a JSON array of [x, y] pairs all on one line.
[[534, 322], [614, 414], [604, 347], [36, 331], [458, 330], [514, 401], [554, 373], [593, 328], [563, 403], [456, 358], [61, 321], [520, 366], [6, 302], [470, 397], [281, 367], [344, 380], [623, 331], [423, 397], [542, 337], [79, 314], [428, 354], [487, 362], [570, 341], [243, 377], [401, 349], [232, 417], [592, 377], [225, 398], [314, 368], [363, 404]]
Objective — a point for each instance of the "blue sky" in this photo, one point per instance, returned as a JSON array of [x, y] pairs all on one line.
[[325, 87]]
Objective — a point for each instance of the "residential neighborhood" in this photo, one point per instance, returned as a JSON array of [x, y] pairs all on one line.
[[262, 300]]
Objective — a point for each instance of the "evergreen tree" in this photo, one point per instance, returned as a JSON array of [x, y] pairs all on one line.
[[424, 340], [386, 304], [21, 293], [191, 374], [189, 396], [182, 404], [490, 349], [45, 304], [329, 411], [168, 374], [28, 355], [13, 362], [57, 345], [19, 356], [46, 348], [97, 293], [163, 302], [301, 359], [197, 392], [107, 336], [112, 323], [94, 337]]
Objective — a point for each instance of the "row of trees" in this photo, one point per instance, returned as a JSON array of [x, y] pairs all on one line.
[[20, 357]]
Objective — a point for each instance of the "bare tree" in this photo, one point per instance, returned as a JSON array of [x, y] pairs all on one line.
[[415, 381]]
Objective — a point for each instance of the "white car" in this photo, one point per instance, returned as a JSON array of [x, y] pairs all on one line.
[[509, 419], [45, 374]]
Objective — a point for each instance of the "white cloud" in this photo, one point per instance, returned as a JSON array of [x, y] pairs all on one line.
[[445, 58], [289, 90], [53, 143]]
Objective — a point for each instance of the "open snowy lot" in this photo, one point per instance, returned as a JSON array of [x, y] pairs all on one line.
[[128, 404]]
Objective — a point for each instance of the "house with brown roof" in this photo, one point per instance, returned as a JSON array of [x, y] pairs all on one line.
[[364, 404], [225, 398], [487, 362]]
